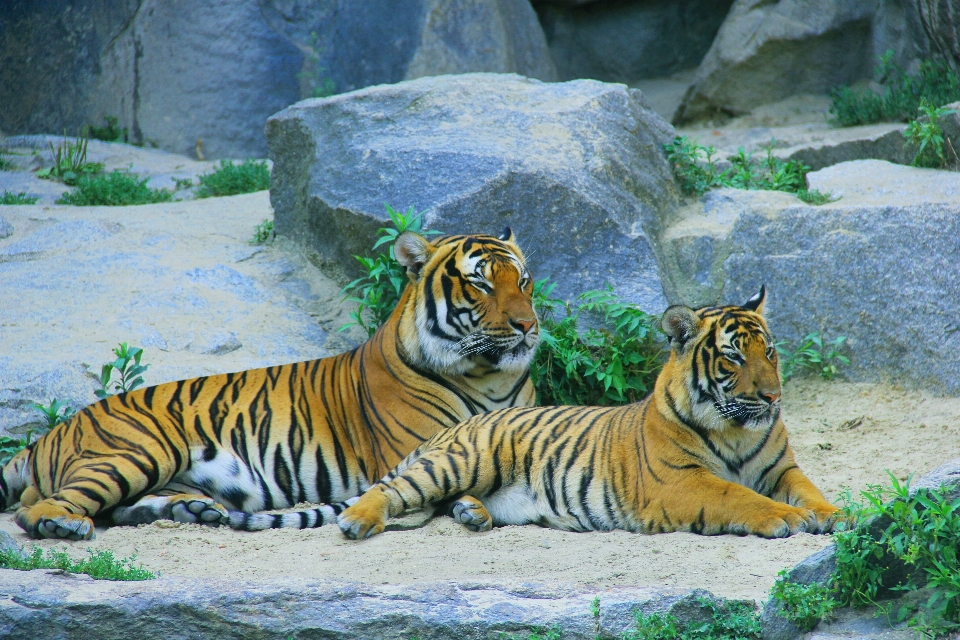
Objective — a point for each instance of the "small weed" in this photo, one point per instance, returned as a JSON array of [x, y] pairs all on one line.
[[10, 447], [935, 82], [70, 164], [109, 133], [812, 353], [728, 621], [263, 232], [114, 189], [805, 605], [17, 198], [696, 171], [54, 413], [182, 183], [232, 179], [101, 565], [377, 292], [129, 367], [6, 165], [614, 363], [926, 136], [323, 85]]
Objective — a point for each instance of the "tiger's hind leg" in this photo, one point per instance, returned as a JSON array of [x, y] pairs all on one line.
[[471, 513], [188, 508]]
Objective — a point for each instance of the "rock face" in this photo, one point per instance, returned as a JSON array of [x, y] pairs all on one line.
[[45, 603], [576, 169], [877, 266], [214, 71], [626, 40], [767, 51]]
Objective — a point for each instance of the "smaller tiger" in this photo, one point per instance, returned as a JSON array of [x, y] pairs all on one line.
[[706, 452]]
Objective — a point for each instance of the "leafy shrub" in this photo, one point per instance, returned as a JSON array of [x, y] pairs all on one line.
[[114, 189], [728, 621], [109, 133], [70, 164], [263, 232], [232, 179], [377, 292], [805, 605], [17, 198], [54, 413], [6, 165], [129, 367], [925, 135], [935, 82], [613, 363], [696, 172], [923, 532], [814, 354], [101, 565]]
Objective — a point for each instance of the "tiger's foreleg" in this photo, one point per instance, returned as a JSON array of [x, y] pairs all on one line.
[[795, 488], [56, 517]]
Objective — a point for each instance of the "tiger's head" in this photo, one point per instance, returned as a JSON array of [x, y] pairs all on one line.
[[723, 365], [471, 298]]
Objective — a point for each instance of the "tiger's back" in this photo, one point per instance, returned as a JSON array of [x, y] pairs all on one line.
[[315, 431]]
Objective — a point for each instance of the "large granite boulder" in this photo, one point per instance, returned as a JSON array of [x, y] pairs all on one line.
[[176, 73], [767, 51], [576, 169], [878, 266], [626, 40]]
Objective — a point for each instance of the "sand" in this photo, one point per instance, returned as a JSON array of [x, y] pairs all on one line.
[[845, 437]]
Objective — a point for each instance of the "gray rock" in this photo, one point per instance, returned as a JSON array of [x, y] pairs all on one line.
[[815, 569], [7, 543], [942, 24], [6, 229], [846, 268], [575, 168], [767, 51], [626, 40], [46, 604], [214, 71]]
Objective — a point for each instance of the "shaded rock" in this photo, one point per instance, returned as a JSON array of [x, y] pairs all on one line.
[[941, 23], [41, 603], [878, 266], [626, 40], [575, 168], [766, 51], [6, 229]]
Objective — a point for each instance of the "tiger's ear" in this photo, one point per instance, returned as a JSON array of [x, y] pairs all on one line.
[[506, 235], [680, 324], [756, 302], [412, 251]]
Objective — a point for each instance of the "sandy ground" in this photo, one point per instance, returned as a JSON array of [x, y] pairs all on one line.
[[845, 435]]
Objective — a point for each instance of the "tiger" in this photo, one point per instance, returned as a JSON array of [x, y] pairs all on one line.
[[706, 452], [222, 449]]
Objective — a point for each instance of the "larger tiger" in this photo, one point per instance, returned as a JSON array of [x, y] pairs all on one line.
[[706, 452], [218, 448]]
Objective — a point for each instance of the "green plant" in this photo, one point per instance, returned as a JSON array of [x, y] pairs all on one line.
[[232, 179], [109, 133], [114, 189], [182, 183], [812, 353], [925, 135], [54, 413], [129, 367], [70, 164], [902, 93], [101, 565], [17, 198], [323, 86], [727, 621], [805, 605], [6, 165], [922, 531], [262, 232], [378, 291], [696, 171], [615, 362]]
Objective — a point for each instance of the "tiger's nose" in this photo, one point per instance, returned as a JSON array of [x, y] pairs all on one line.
[[523, 325], [769, 396]]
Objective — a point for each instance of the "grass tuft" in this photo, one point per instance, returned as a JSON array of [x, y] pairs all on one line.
[[101, 565], [17, 198], [232, 179], [727, 621], [114, 189]]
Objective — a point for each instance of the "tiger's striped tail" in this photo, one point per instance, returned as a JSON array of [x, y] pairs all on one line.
[[306, 519]]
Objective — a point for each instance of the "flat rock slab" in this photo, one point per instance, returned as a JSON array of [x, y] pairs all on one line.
[[49, 604], [178, 279]]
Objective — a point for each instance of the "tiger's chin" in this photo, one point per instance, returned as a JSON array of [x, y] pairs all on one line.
[[516, 359]]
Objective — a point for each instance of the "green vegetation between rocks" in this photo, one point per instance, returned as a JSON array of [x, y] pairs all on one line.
[[101, 565], [889, 527], [116, 188], [902, 93], [696, 172], [926, 136], [231, 179], [6, 165], [17, 198], [70, 164], [109, 133], [725, 621], [263, 232], [812, 354]]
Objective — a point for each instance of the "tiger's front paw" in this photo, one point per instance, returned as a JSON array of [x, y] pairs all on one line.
[[44, 520], [199, 509], [471, 513], [782, 521], [827, 517], [366, 518]]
